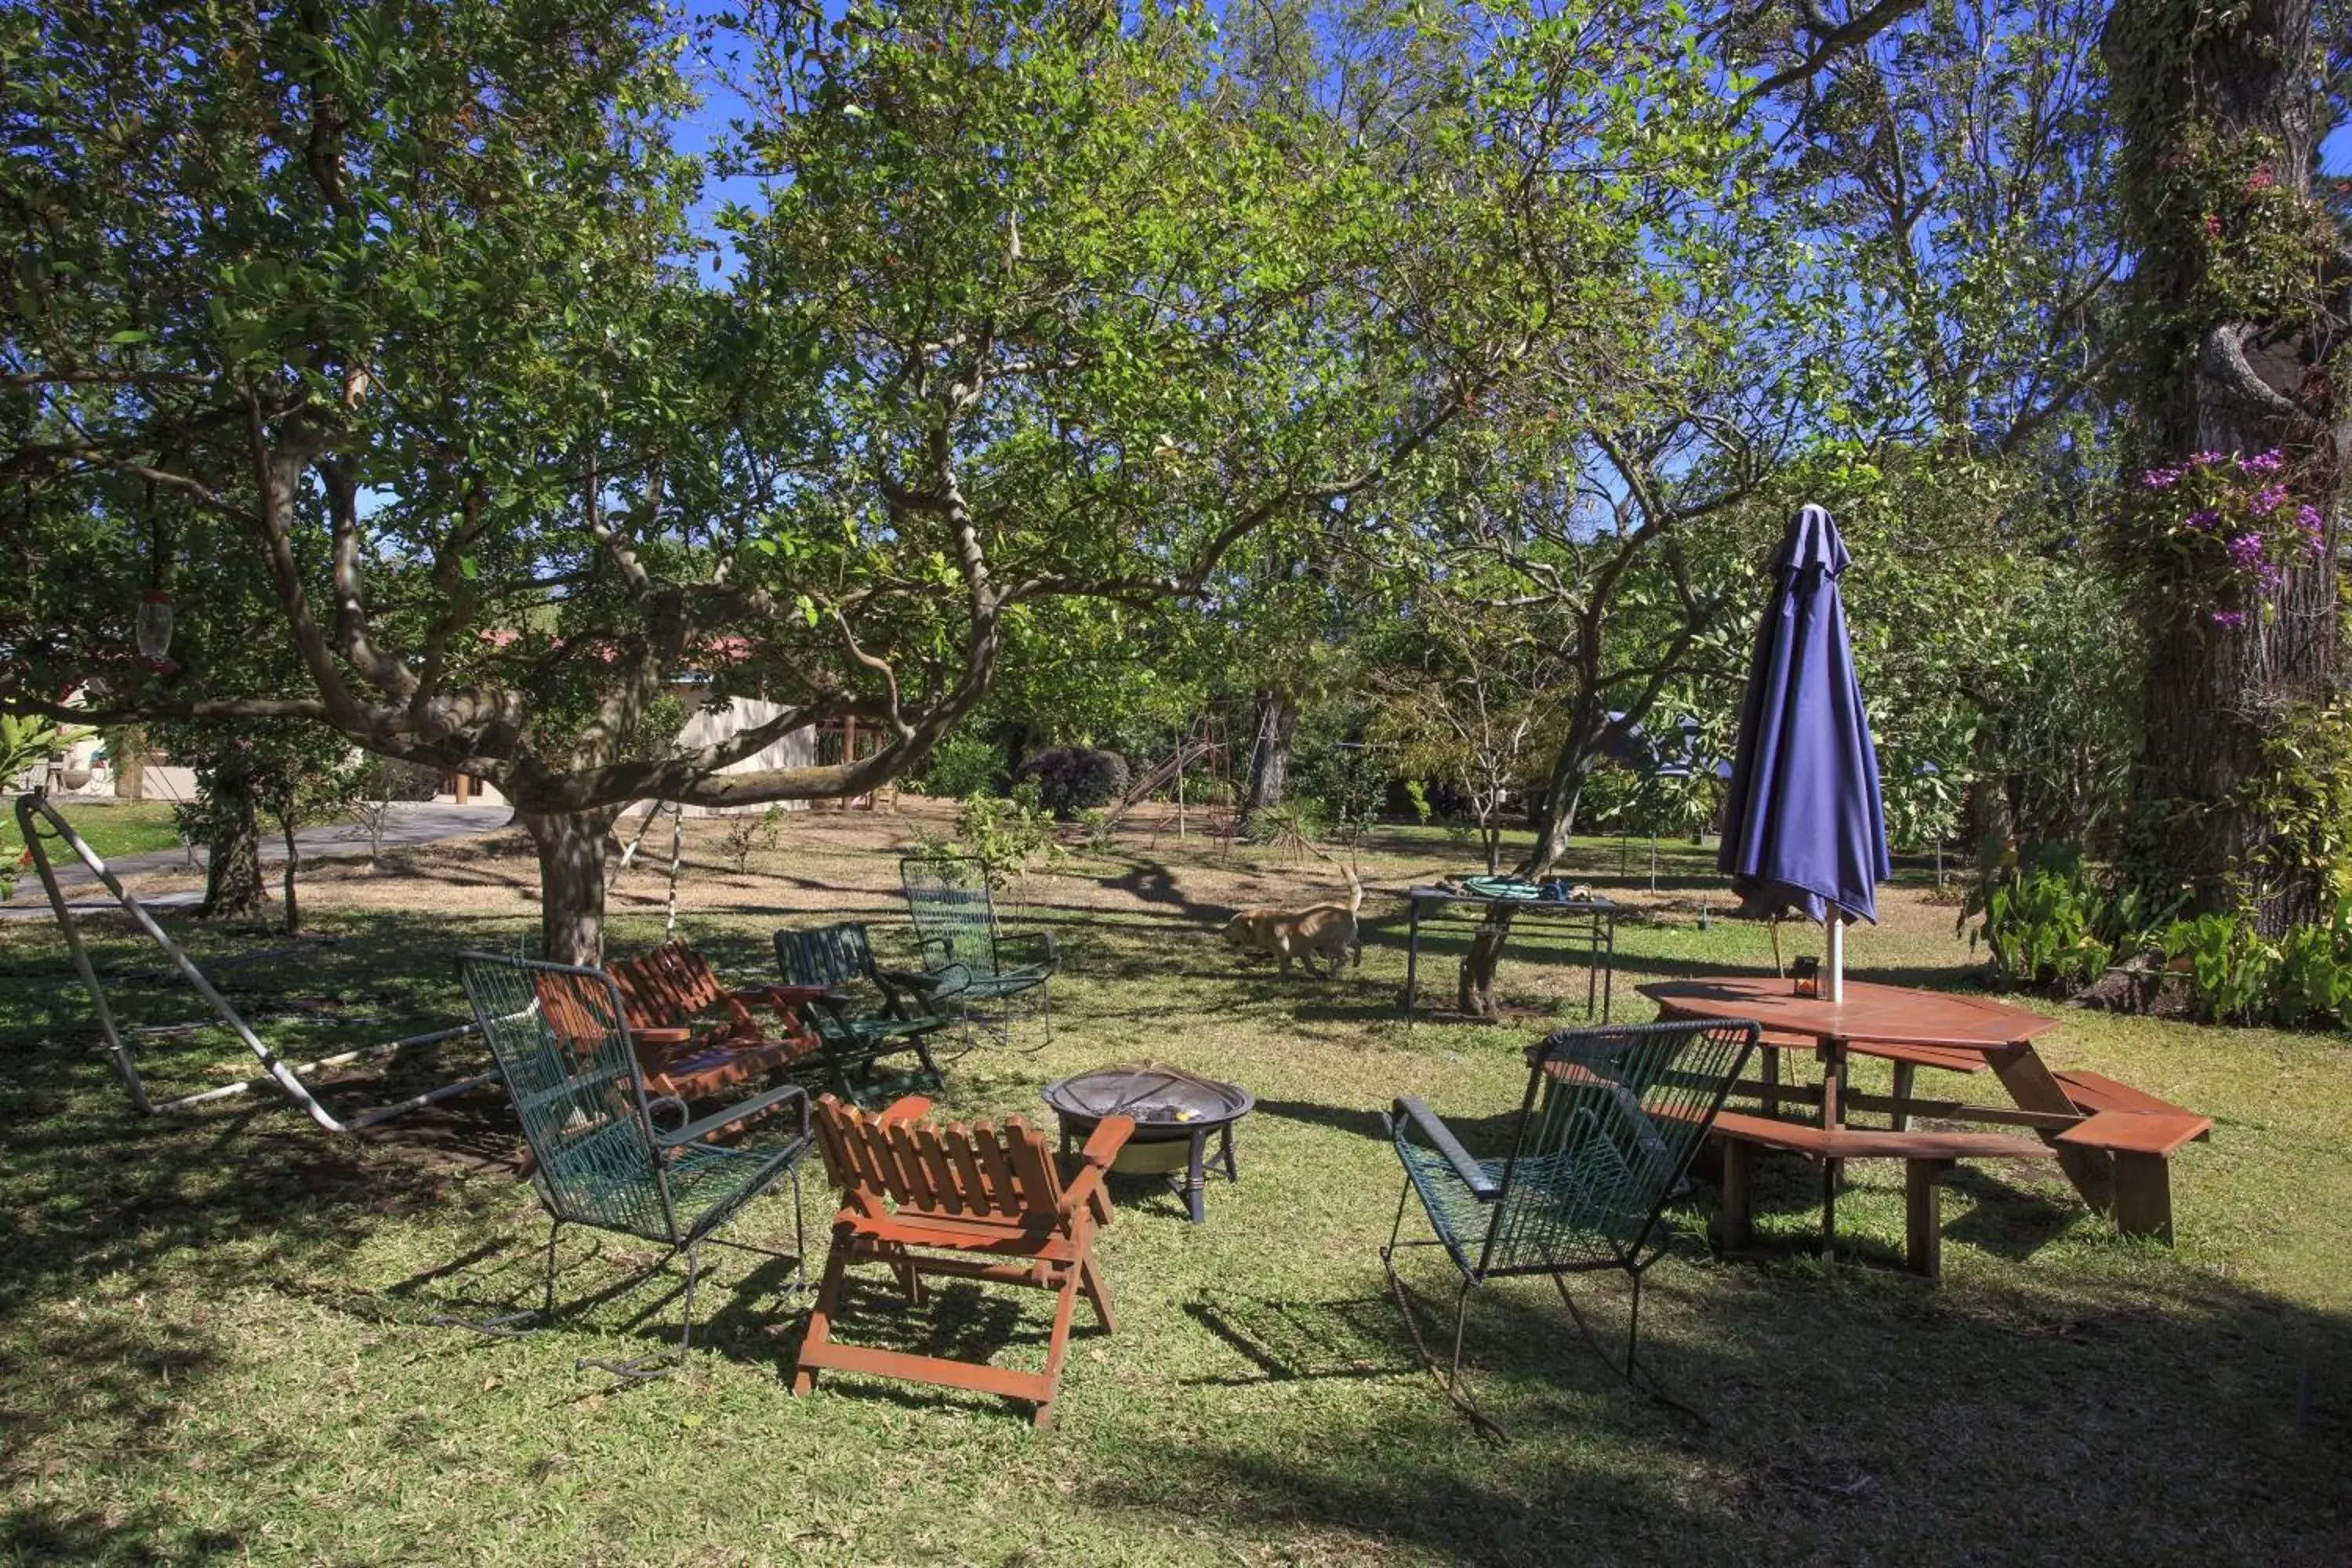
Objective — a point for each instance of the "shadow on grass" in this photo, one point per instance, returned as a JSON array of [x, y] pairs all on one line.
[[1842, 1454]]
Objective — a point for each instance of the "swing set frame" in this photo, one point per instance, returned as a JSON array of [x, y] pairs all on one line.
[[41, 823]]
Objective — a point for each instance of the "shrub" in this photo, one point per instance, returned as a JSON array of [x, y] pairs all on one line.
[[2040, 919], [1070, 780], [962, 765]]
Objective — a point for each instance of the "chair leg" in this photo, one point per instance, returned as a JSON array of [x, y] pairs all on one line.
[[1635, 1375], [1449, 1379], [514, 1325], [820, 1324], [1057, 1349], [1097, 1296], [646, 1369]]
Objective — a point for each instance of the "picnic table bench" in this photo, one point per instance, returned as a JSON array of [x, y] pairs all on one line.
[[1928, 1159], [2114, 1142]]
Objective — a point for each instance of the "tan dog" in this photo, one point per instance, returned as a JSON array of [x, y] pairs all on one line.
[[1328, 930]]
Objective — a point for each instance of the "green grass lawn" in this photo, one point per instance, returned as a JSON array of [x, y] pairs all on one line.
[[216, 1342], [112, 827]]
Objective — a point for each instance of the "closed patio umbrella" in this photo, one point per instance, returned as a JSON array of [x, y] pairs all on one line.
[[1802, 828]]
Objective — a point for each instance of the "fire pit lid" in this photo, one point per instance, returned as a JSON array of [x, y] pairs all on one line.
[[1153, 1094]]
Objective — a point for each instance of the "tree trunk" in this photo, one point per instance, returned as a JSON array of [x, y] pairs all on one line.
[[1474, 990], [573, 846], [1278, 721], [291, 914], [233, 885], [2218, 122]]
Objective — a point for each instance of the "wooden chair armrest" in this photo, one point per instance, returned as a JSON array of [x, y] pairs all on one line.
[[1109, 1136], [906, 1108], [1086, 1189]]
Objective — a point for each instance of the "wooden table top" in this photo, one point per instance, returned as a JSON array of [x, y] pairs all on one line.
[[1884, 1015]]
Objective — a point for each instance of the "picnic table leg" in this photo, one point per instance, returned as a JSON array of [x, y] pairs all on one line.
[[1771, 1096], [2144, 1196], [1906, 1075], [1609, 969], [2031, 1084], [1833, 1054], [1735, 1225], [1923, 1229]]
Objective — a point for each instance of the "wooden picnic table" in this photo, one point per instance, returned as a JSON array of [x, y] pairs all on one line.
[[2095, 1126]]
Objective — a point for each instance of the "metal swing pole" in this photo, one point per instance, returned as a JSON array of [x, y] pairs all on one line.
[[277, 1071]]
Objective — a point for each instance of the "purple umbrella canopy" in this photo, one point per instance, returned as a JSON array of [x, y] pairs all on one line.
[[1802, 828]]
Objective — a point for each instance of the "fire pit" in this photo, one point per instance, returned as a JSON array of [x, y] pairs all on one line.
[[1175, 1113]]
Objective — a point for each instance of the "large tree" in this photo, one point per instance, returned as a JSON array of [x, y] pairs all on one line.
[[395, 310], [2238, 427]]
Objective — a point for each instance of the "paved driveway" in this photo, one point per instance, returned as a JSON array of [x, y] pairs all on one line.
[[412, 823]]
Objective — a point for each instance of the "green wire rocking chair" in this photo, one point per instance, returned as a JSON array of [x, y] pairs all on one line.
[[954, 912], [602, 1155], [1610, 1123]]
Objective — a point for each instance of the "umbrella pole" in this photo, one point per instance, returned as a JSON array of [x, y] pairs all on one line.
[[1836, 924]]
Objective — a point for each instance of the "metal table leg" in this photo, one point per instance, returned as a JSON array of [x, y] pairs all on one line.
[[1411, 957]]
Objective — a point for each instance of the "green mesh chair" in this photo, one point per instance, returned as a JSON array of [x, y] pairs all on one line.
[[955, 923], [1609, 1125], [868, 1012], [607, 1155]]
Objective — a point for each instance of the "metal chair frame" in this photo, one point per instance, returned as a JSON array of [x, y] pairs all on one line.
[[935, 884], [840, 955], [580, 1093], [1607, 1080]]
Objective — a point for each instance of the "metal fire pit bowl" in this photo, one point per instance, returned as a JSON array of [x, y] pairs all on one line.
[[1175, 1112]]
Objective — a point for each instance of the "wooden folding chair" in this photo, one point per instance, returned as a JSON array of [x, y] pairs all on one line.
[[990, 1198]]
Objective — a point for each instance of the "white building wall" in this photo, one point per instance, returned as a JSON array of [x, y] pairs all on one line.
[[704, 727]]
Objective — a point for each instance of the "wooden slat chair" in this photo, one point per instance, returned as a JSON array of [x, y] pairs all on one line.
[[1609, 1124], [695, 1038], [606, 1152], [949, 899], [990, 1199], [863, 1011]]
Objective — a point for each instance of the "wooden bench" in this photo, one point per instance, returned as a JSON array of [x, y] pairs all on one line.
[[1928, 1158], [2140, 1133]]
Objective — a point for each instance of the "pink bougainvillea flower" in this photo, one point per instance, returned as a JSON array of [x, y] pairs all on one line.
[[2213, 226], [2261, 180]]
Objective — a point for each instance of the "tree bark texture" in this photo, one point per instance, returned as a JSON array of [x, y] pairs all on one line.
[[2226, 368], [1269, 779], [572, 847], [291, 914], [233, 885]]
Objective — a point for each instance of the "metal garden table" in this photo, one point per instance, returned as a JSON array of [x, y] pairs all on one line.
[[1592, 922]]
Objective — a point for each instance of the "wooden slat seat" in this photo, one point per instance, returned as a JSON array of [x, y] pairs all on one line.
[[1876, 1142], [1928, 1159], [693, 1036], [2136, 1132], [2095, 1092], [2141, 1143]]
